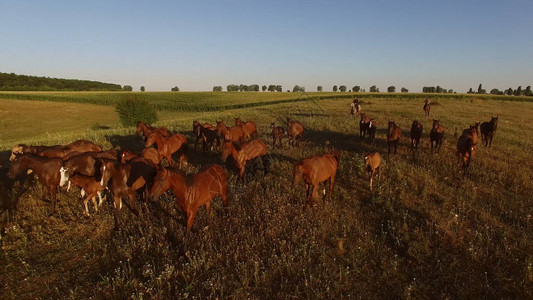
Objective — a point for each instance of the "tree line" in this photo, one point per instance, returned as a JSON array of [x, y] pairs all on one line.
[[14, 82], [510, 91]]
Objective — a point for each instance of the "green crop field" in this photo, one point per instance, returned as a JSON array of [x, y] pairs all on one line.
[[425, 231]]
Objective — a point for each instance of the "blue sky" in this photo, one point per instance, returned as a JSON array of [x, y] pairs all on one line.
[[198, 44]]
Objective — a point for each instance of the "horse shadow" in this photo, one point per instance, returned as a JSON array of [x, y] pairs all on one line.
[[344, 141], [131, 142]]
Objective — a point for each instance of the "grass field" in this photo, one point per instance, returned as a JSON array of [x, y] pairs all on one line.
[[425, 232]]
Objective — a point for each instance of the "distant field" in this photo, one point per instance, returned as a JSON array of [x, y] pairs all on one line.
[[425, 233]]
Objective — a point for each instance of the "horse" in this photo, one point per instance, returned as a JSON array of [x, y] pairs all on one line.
[[487, 131], [90, 187], [473, 131], [208, 135], [436, 134], [277, 134], [394, 133], [124, 180], [248, 127], [314, 170], [244, 153], [427, 107], [166, 146], [233, 134], [195, 125], [363, 126], [355, 108], [372, 165], [192, 191], [59, 151], [295, 132], [148, 153], [416, 134], [466, 149], [372, 128], [147, 129], [47, 171]]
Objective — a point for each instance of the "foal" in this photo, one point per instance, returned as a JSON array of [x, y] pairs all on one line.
[[277, 134]]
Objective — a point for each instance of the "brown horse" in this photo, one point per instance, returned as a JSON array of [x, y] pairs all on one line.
[[277, 134], [233, 134], [195, 125], [124, 180], [372, 165], [147, 129], [148, 153], [473, 131], [295, 131], [487, 131], [166, 146], [427, 107], [436, 135], [364, 124], [208, 135], [47, 171], [244, 153], [394, 133], [315, 170], [466, 149], [248, 127], [90, 187], [59, 151], [416, 134], [191, 193], [372, 128]]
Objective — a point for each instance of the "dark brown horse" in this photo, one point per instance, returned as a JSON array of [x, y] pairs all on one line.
[[166, 146], [394, 133], [295, 131], [59, 151], [244, 153], [195, 125], [277, 134], [248, 127], [427, 107], [47, 171], [191, 193], [487, 131], [473, 130], [208, 135], [363, 126], [416, 134], [436, 135], [315, 170], [466, 149], [372, 128], [124, 180], [233, 134]]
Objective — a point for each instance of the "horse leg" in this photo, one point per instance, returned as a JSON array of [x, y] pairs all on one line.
[[190, 218], [99, 198], [223, 195], [371, 175], [388, 147], [331, 181], [313, 196], [395, 147], [117, 204], [53, 191]]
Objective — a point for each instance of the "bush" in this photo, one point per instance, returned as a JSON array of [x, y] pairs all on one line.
[[132, 110]]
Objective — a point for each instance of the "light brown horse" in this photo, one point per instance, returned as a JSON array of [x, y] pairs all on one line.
[[487, 131], [233, 134], [166, 146], [147, 129], [394, 133], [372, 165], [246, 152], [148, 153], [427, 107], [315, 170], [47, 171], [277, 134], [416, 134], [295, 132], [436, 135], [191, 193], [124, 180], [90, 187], [248, 127]]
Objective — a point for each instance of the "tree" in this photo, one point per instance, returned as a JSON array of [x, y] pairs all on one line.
[[494, 92], [404, 90], [217, 88], [509, 91], [271, 88], [175, 89], [356, 89], [439, 89], [319, 88], [128, 88], [132, 110], [279, 88], [391, 89], [298, 88], [142, 88], [232, 88], [518, 91], [450, 91], [528, 91], [470, 91], [253, 88], [342, 88], [264, 88], [373, 89], [335, 88], [479, 89]]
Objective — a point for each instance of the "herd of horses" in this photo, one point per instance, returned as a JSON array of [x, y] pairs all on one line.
[[128, 175]]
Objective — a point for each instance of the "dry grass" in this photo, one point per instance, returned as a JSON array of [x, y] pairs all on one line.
[[424, 233]]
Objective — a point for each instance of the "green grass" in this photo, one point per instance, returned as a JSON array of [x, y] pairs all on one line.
[[424, 233]]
